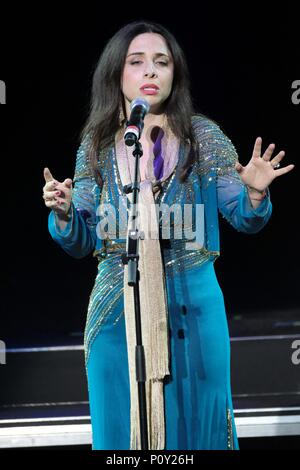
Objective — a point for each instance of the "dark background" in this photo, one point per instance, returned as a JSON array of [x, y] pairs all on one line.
[[242, 61]]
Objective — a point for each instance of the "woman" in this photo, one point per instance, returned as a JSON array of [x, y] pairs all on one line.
[[187, 159]]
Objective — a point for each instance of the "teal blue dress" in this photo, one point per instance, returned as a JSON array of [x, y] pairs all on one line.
[[197, 393]]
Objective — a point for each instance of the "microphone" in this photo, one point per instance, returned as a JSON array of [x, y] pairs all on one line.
[[139, 108]]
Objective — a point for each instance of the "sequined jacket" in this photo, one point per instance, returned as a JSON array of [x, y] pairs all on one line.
[[213, 182]]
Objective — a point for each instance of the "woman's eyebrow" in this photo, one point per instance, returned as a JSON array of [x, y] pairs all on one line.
[[157, 54]]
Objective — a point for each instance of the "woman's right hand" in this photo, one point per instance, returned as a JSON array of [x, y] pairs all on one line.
[[57, 196]]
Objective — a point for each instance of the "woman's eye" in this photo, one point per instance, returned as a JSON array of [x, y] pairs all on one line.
[[139, 62]]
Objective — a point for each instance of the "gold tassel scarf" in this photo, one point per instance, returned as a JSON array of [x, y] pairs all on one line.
[[153, 301]]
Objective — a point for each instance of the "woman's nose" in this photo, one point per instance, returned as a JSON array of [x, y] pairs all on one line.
[[149, 71]]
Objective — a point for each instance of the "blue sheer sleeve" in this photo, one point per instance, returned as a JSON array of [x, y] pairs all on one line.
[[233, 198], [235, 205], [78, 238], [217, 161]]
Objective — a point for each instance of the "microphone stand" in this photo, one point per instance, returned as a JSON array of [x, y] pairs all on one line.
[[131, 258]]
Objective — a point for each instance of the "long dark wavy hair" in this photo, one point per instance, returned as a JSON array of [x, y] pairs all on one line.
[[107, 98]]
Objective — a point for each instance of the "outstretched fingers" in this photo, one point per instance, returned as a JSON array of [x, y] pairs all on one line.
[[285, 169], [268, 153], [257, 148], [68, 182], [277, 158], [47, 175]]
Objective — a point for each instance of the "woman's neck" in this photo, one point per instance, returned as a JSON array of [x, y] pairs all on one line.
[[154, 120], [152, 123]]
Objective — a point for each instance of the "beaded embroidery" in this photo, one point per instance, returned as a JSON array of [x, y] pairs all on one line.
[[217, 157], [230, 445]]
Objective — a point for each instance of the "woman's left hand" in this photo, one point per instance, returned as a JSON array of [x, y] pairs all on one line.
[[260, 171]]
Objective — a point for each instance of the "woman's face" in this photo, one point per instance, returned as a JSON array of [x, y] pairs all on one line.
[[148, 62]]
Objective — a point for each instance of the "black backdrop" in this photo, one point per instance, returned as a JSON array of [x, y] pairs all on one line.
[[242, 61]]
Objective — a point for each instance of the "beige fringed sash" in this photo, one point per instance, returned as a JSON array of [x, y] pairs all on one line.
[[153, 302]]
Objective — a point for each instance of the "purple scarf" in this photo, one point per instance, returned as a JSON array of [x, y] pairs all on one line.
[[158, 161]]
